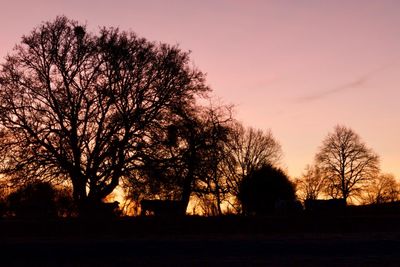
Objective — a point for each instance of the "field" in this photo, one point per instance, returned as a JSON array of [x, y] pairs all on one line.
[[302, 240]]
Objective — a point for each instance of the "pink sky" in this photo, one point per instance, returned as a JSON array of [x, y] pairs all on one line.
[[297, 67]]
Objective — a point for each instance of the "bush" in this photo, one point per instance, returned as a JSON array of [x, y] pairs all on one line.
[[39, 200], [262, 190]]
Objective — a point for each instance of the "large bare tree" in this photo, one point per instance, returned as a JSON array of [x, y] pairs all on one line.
[[347, 163], [81, 107]]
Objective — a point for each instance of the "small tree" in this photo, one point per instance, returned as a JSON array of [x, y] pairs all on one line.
[[311, 184], [348, 165], [384, 188], [213, 185], [248, 150], [261, 190]]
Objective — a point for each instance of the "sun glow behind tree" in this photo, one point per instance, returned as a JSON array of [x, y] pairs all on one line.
[[79, 107]]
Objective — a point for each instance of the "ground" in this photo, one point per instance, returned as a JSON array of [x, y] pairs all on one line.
[[195, 241]]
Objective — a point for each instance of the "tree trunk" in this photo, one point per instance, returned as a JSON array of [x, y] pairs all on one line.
[[218, 197]]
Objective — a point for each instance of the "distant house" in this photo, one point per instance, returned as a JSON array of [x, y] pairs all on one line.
[[325, 205], [159, 207]]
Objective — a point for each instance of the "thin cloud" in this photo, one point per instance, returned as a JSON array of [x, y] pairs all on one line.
[[357, 83]]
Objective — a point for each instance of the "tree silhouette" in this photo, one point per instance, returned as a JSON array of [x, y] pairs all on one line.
[[248, 149], [40, 200], [262, 189], [384, 188], [3, 206], [81, 107], [183, 157], [213, 186], [311, 184], [34, 200], [346, 162]]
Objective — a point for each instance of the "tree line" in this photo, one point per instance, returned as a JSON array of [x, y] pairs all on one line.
[[346, 168], [88, 113]]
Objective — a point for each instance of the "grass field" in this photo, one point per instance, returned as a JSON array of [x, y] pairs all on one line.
[[196, 241]]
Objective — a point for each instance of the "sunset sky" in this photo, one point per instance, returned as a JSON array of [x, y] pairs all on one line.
[[297, 67]]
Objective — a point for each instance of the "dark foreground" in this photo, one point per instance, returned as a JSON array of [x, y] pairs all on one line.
[[194, 241]]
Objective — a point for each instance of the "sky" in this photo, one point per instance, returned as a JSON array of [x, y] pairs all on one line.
[[296, 67]]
